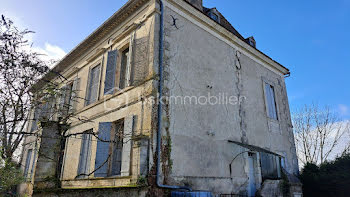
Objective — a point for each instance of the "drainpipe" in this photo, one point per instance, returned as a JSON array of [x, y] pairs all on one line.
[[160, 91]]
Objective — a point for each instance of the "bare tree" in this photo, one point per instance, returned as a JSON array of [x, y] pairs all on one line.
[[318, 133], [25, 104], [20, 68]]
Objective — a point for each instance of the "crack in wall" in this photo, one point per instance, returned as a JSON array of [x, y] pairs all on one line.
[[239, 87]]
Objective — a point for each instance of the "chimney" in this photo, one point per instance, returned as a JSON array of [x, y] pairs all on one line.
[[196, 3]]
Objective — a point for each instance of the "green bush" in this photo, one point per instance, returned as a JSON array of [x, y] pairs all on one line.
[[10, 176], [329, 179]]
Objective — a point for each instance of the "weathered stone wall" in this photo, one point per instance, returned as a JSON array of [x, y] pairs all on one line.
[[46, 172], [201, 62], [136, 31], [126, 103], [103, 192]]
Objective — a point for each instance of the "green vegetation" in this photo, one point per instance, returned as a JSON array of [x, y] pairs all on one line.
[[328, 179], [10, 176]]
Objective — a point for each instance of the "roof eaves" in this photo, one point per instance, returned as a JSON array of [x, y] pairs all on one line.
[[91, 40], [237, 34]]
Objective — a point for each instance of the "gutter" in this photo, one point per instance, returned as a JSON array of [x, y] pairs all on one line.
[[159, 115]]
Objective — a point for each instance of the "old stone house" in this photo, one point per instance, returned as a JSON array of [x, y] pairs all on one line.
[[223, 120]]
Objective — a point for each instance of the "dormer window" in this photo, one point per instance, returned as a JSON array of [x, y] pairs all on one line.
[[214, 15]]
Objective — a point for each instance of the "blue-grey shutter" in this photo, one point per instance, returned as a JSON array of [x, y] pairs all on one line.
[[33, 164], [63, 92], [110, 72], [35, 119], [93, 85], [62, 100], [102, 151], [74, 95], [84, 161], [27, 165], [144, 155]]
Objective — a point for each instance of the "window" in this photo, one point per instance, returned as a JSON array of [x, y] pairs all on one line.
[[125, 69], [84, 159], [42, 111], [33, 164], [93, 85], [109, 149], [270, 101], [27, 164], [270, 166], [110, 72], [68, 97], [47, 109], [65, 99], [214, 16], [35, 119]]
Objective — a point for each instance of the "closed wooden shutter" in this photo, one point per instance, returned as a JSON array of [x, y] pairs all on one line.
[[45, 110], [270, 100], [110, 72], [35, 119], [102, 150], [144, 155], [62, 101], [93, 85], [74, 95], [126, 152], [27, 165], [63, 92], [33, 164], [84, 160], [140, 65]]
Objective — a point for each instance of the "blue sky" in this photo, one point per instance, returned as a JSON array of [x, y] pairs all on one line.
[[311, 38]]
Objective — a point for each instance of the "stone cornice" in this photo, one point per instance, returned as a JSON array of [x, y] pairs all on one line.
[[107, 27]]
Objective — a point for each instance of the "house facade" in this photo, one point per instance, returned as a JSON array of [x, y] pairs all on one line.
[[224, 125]]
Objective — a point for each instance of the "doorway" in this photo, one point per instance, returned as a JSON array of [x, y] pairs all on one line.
[[251, 175]]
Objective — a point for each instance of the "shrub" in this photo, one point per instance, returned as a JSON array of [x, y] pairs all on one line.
[[329, 179]]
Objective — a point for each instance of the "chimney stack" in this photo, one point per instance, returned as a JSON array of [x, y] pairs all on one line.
[[196, 3]]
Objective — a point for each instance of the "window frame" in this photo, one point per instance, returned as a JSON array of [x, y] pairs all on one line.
[[267, 82], [213, 12], [112, 145], [28, 162], [108, 173], [63, 108], [88, 156], [98, 63], [127, 67]]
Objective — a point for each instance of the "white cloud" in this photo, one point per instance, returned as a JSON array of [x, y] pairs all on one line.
[[50, 52]]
